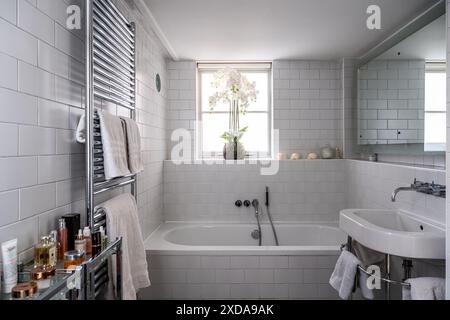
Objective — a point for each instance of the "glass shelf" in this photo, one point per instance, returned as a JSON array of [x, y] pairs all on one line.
[[79, 283], [58, 287]]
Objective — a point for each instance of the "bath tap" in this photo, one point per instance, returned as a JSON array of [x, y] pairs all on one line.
[[255, 204]]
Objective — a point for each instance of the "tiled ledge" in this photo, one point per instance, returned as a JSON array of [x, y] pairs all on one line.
[[300, 163], [403, 165], [250, 162]]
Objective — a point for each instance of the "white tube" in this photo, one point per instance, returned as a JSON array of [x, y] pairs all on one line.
[[9, 264]]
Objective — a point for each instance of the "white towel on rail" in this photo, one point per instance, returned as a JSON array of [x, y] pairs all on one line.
[[115, 158], [122, 221], [343, 277], [133, 139], [425, 288], [81, 130]]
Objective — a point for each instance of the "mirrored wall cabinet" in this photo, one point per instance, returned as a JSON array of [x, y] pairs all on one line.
[[401, 91]]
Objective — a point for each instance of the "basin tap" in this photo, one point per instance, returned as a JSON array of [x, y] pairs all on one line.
[[394, 194]]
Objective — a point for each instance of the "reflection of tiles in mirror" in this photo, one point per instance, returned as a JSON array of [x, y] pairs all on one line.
[[391, 102]]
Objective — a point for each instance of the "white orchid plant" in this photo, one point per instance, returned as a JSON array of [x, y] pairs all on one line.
[[233, 88]]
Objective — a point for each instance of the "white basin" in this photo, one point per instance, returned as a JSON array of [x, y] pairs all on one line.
[[395, 232]]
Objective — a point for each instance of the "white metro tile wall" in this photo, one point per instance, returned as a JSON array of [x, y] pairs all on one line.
[[391, 96], [371, 184], [41, 100], [349, 101], [182, 99], [37, 95], [306, 103], [301, 191], [151, 116]]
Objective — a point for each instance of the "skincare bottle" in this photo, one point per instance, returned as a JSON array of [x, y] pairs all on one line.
[[45, 253], [73, 225], [88, 238], [96, 243], [62, 238], [80, 242], [9, 265], [54, 247]]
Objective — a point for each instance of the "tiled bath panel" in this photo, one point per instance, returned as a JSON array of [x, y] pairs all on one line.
[[239, 277]]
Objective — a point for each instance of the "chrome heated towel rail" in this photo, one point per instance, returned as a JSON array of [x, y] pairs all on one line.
[[110, 77]]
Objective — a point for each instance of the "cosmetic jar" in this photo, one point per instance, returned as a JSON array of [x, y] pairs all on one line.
[[24, 290], [42, 276], [72, 259]]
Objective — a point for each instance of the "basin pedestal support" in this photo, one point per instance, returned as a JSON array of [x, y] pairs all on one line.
[[387, 284], [407, 266]]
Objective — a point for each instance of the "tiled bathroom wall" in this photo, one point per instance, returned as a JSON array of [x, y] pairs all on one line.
[[41, 87], [41, 100], [306, 103], [392, 94], [349, 107], [182, 82], [151, 116], [300, 191], [370, 185]]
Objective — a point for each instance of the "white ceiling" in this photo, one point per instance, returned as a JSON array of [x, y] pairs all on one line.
[[429, 43], [275, 29]]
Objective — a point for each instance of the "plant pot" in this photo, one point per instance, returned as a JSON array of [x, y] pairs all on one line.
[[234, 151]]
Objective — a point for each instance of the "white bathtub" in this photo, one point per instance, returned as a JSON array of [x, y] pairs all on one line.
[[222, 261], [294, 238]]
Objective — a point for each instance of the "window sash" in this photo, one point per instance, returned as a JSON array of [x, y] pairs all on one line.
[[265, 68]]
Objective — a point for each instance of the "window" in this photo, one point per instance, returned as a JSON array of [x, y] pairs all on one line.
[[435, 106], [212, 124]]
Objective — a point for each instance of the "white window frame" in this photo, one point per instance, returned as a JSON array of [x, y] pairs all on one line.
[[263, 67], [434, 67]]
